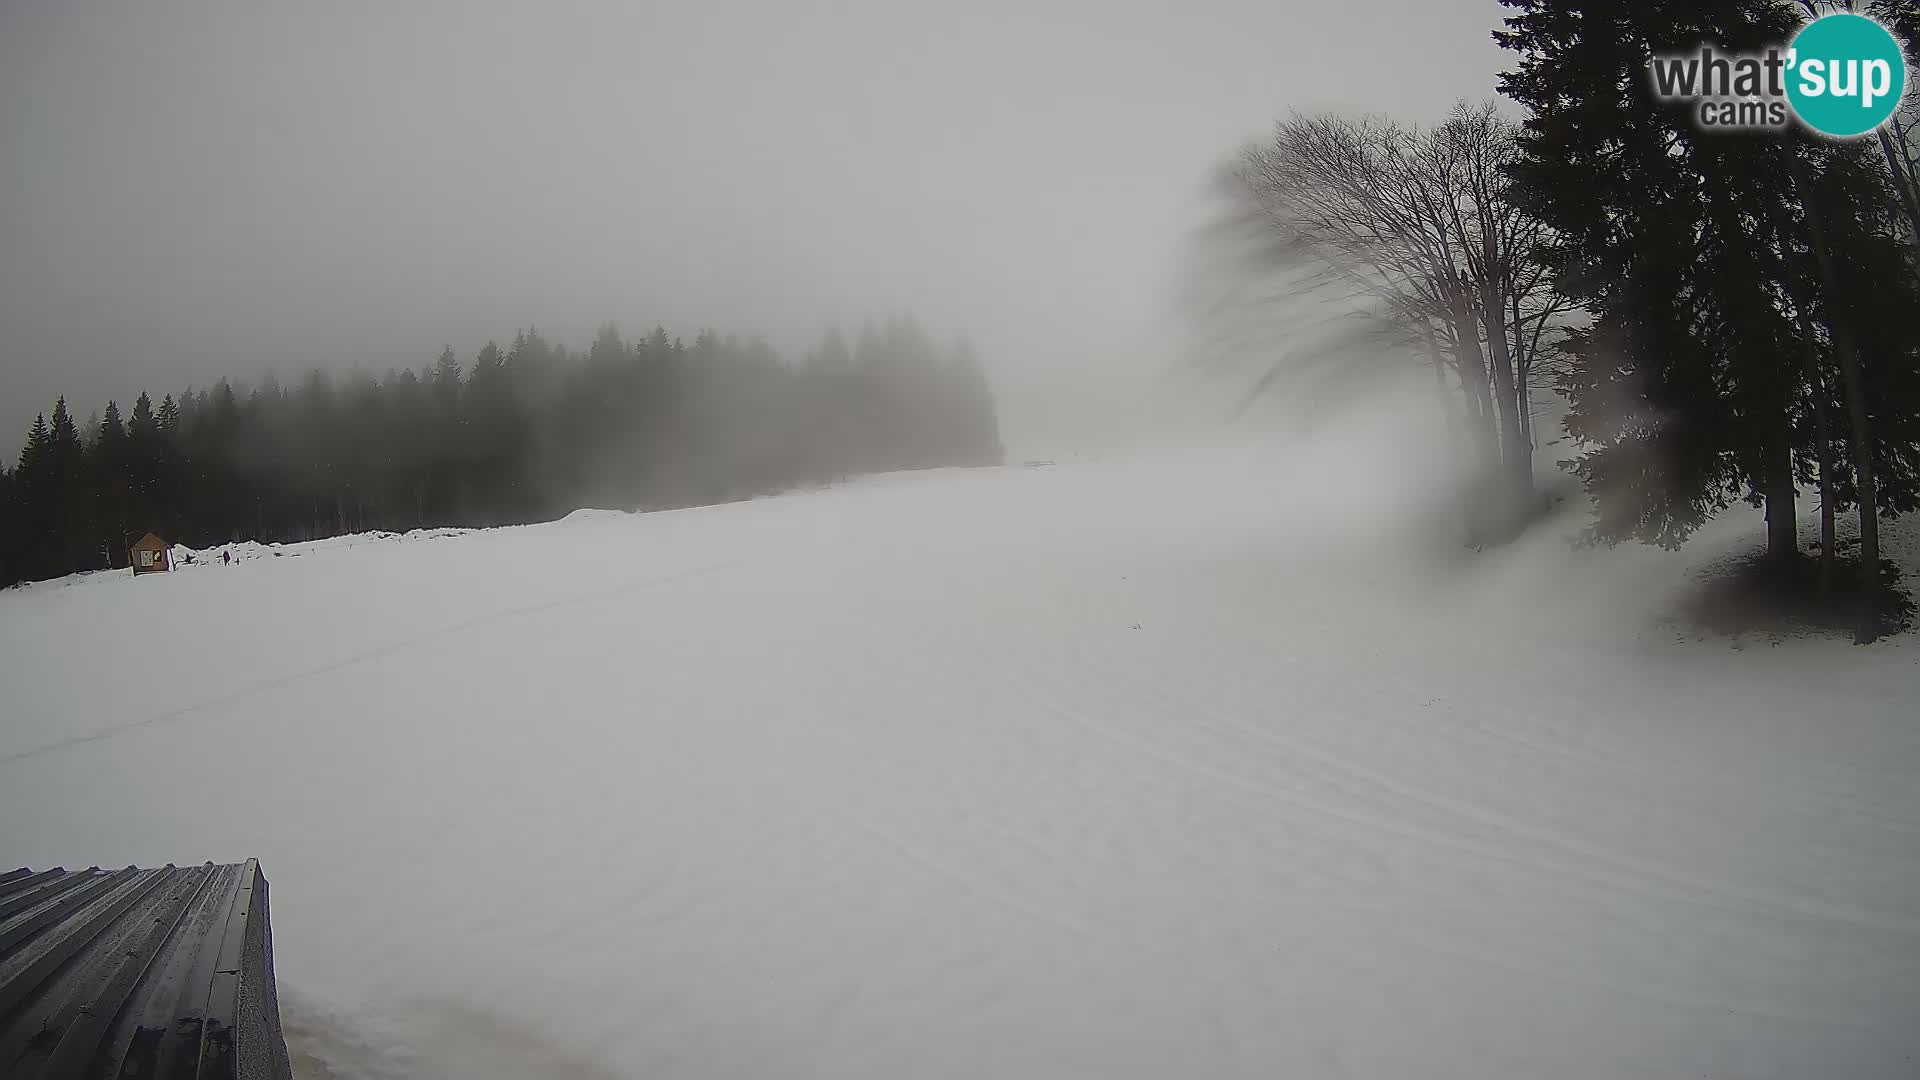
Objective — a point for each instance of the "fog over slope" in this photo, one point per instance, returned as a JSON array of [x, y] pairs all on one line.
[[1180, 763], [199, 190]]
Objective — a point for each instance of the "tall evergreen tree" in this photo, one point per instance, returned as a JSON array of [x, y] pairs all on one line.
[[14, 529], [37, 554], [140, 424], [167, 420], [111, 482], [73, 497], [1692, 385]]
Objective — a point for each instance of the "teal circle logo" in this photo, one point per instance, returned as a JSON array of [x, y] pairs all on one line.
[[1845, 75]]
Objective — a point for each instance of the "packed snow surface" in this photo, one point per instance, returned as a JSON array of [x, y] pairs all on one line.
[[1184, 764]]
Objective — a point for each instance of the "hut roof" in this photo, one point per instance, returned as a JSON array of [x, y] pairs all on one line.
[[133, 972]]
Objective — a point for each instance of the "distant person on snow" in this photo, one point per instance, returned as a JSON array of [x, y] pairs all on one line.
[[226, 558]]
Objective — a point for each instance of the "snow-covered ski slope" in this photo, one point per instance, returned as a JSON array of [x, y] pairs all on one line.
[[1183, 764]]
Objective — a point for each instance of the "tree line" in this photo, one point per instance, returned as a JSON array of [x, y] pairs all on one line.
[[520, 434], [1715, 317]]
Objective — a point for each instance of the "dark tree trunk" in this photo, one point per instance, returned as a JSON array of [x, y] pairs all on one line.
[[1783, 527], [1473, 370], [1853, 386], [1516, 454], [1459, 422], [1902, 183], [1776, 481], [1823, 446]]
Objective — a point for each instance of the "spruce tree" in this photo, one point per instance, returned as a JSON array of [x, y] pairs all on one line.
[[1681, 387], [111, 482], [71, 495], [1697, 382], [140, 424], [35, 455], [14, 530]]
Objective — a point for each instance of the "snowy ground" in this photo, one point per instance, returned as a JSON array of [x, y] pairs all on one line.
[[1166, 765]]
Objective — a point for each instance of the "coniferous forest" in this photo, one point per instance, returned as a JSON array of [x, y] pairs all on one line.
[[517, 433]]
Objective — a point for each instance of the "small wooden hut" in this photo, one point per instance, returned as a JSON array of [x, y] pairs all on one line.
[[148, 555]]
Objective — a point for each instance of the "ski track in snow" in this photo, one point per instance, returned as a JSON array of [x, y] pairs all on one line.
[[1109, 769], [387, 649]]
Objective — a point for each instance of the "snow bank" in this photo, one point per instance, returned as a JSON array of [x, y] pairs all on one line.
[[249, 550], [1195, 764], [588, 514]]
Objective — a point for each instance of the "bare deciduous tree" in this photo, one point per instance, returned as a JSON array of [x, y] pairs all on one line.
[[1415, 225]]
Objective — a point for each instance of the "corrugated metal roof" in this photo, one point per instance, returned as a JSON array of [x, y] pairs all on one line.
[[157, 974]]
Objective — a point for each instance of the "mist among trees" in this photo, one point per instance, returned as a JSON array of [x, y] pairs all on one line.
[[520, 432], [1708, 318], [1417, 226]]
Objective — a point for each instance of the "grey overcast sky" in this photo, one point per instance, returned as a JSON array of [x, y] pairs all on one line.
[[193, 189]]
